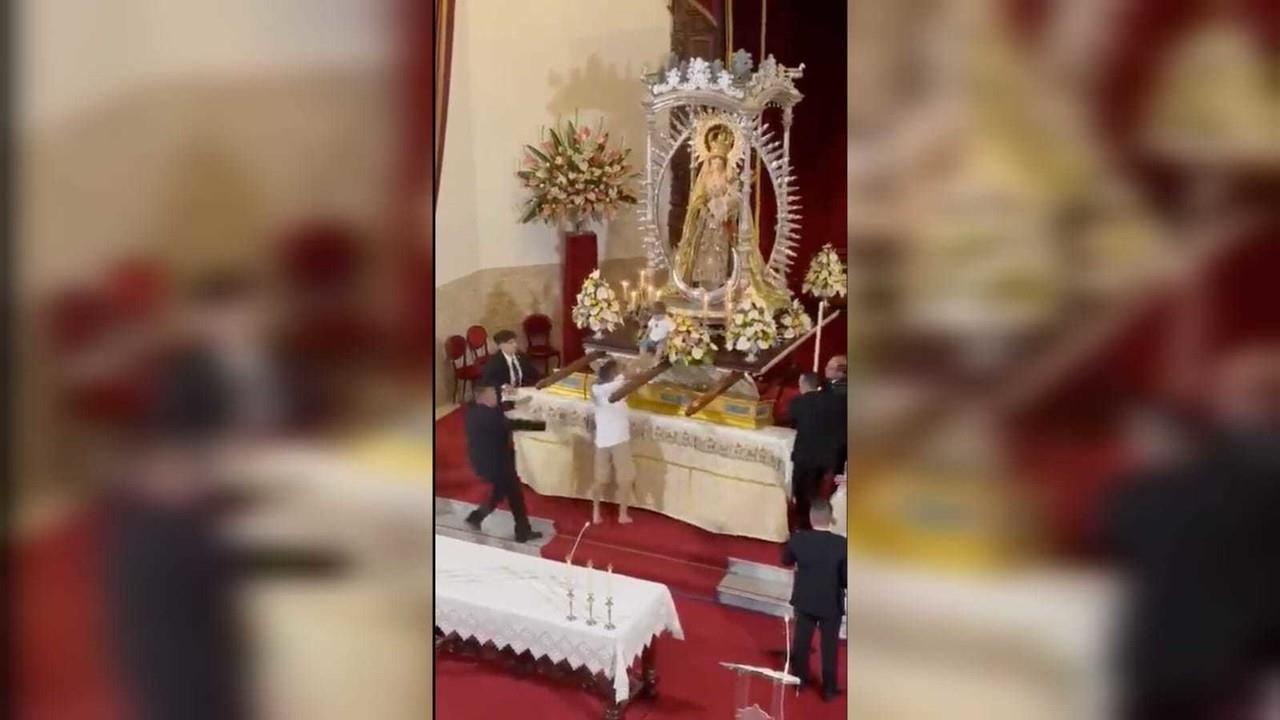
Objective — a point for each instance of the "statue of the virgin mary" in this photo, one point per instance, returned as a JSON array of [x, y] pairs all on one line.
[[704, 258]]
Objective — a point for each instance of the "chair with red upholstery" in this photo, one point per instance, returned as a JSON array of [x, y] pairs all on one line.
[[537, 336], [478, 343], [464, 374]]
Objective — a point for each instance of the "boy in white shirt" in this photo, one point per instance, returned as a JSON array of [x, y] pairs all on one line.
[[613, 440], [660, 326]]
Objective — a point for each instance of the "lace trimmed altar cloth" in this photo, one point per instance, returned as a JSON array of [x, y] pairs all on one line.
[[520, 602], [728, 480]]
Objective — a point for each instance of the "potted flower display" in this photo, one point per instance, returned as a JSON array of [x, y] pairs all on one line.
[[751, 328], [690, 343], [597, 307], [825, 279], [793, 321], [574, 177]]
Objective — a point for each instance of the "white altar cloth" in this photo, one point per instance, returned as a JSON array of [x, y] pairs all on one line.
[[726, 480], [519, 601]]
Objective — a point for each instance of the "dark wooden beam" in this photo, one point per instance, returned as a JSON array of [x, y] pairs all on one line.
[[719, 387], [571, 368], [635, 383]]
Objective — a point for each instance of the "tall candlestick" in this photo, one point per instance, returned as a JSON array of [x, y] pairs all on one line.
[[817, 339], [634, 304]]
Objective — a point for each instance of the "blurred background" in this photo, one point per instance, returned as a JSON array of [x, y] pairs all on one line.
[[222, 358], [1064, 241]]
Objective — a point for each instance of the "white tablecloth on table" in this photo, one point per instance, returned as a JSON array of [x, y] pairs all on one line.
[[519, 601]]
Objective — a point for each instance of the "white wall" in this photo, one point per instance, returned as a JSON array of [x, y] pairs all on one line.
[[74, 54], [518, 66]]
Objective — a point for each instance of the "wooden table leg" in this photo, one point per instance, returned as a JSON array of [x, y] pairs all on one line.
[[649, 671]]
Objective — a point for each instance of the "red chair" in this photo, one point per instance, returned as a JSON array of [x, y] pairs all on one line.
[[537, 335], [478, 343], [455, 349]]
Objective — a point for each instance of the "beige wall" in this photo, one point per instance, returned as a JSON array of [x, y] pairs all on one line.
[[190, 132], [518, 67]]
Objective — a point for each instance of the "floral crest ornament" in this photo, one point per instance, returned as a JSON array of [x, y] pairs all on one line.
[[690, 343], [793, 321], [826, 276], [597, 306], [573, 176], [751, 328]]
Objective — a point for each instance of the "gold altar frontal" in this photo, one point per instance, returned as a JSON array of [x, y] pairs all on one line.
[[671, 399]]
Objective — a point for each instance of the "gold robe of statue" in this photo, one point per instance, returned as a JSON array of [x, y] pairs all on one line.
[[705, 255]]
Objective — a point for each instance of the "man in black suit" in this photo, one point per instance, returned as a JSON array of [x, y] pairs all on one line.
[[817, 595], [836, 373], [491, 447], [1196, 534], [820, 423], [508, 367], [227, 374]]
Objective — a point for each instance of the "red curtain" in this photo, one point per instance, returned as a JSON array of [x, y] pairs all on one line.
[[415, 197], [817, 36]]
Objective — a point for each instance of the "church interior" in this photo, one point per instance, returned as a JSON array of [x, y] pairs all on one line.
[[276, 263]]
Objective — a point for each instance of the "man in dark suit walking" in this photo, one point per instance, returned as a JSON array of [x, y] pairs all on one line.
[[508, 367], [820, 558], [491, 448], [819, 419]]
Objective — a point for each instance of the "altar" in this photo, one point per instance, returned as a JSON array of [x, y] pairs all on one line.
[[728, 480]]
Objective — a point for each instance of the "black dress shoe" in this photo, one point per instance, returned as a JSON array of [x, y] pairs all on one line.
[[531, 535], [829, 694], [473, 521]]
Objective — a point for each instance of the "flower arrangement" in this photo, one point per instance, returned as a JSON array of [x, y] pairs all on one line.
[[574, 176], [751, 328], [793, 321], [597, 306], [690, 343], [826, 276]]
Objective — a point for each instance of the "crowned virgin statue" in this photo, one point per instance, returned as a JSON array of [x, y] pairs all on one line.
[[704, 258]]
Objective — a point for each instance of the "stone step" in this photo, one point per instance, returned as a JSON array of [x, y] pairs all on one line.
[[498, 529], [759, 588]]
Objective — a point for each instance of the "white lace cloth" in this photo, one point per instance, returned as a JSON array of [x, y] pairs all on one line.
[[520, 601], [768, 446]]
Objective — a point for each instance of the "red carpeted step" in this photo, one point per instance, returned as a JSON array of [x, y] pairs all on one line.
[[651, 533], [695, 580], [63, 668]]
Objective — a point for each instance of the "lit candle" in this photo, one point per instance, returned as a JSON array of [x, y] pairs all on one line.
[[590, 571], [706, 304], [608, 580], [634, 305]]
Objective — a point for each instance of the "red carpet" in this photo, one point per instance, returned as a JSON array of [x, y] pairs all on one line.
[[691, 683], [61, 663], [689, 560]]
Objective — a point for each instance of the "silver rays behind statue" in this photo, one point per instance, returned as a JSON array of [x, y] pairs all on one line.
[[683, 101]]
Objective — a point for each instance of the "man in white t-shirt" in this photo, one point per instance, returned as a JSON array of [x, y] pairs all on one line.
[[659, 327], [613, 440]]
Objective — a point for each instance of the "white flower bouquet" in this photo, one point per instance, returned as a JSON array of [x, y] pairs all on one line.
[[574, 176], [793, 321], [597, 306], [826, 276], [751, 328], [690, 343]]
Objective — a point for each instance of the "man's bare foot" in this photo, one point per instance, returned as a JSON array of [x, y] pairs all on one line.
[[624, 519], [596, 519]]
